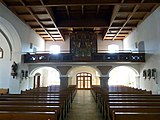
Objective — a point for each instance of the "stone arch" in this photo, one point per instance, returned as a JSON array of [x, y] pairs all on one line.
[[12, 52], [130, 71], [37, 66], [77, 69], [46, 71], [8, 42], [13, 39], [91, 67]]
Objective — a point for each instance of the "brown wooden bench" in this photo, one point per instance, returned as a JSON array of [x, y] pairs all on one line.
[[6, 100], [4, 91], [131, 102], [108, 100], [138, 100], [21, 115], [38, 100], [57, 101], [66, 94], [136, 116], [113, 109], [28, 108]]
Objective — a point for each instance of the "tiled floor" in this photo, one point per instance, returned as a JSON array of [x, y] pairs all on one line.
[[84, 107]]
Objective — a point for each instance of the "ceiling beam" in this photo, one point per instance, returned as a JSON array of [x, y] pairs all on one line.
[[153, 9], [82, 10], [2, 1], [51, 15], [67, 9], [48, 10], [114, 13], [30, 11], [89, 2], [136, 12], [83, 23], [53, 3], [25, 14], [98, 7], [129, 17]]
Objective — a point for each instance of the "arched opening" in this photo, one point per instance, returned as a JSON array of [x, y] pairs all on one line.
[[123, 75], [81, 75], [45, 76]]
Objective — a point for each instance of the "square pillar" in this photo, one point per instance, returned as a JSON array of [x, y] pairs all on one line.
[[104, 82], [64, 81]]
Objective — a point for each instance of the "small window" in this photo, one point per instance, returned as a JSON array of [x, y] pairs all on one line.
[[1, 53], [113, 48], [54, 49]]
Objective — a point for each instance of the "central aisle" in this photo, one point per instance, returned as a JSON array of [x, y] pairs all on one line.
[[84, 107]]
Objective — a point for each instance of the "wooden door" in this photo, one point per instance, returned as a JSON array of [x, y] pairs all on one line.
[[37, 82], [84, 80]]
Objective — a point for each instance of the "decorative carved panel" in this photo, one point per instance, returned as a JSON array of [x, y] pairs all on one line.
[[83, 44]]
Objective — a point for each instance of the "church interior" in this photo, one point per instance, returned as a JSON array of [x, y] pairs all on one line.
[[79, 60]]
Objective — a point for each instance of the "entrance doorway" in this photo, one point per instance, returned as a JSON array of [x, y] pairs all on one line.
[[37, 82], [84, 81]]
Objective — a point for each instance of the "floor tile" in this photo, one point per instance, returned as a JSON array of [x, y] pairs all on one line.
[[84, 107]]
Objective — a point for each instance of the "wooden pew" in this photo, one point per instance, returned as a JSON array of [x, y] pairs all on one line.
[[136, 115], [69, 92], [4, 91], [52, 104], [40, 97], [46, 99], [113, 109], [21, 115], [122, 88], [54, 101], [124, 99], [130, 102], [29, 108]]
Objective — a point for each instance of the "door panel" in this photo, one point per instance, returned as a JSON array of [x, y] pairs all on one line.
[[84, 80]]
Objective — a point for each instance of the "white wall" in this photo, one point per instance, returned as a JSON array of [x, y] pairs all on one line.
[[64, 45], [19, 35], [103, 44], [149, 32], [4, 71], [26, 34]]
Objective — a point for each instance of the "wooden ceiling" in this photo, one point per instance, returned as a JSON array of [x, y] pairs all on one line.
[[52, 19]]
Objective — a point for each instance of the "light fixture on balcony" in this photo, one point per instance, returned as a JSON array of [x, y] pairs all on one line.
[[1, 53]]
